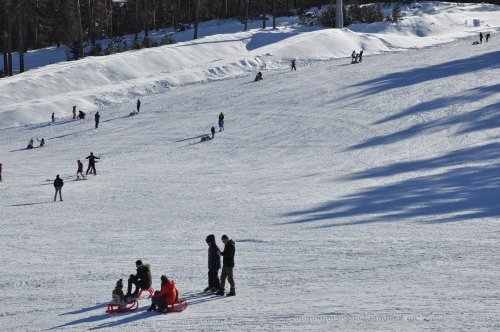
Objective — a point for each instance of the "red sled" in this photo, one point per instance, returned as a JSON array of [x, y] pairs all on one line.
[[149, 290], [178, 306], [115, 307]]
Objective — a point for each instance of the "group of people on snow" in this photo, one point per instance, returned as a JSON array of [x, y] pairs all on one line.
[[481, 36], [214, 285], [31, 143], [207, 137], [356, 57]]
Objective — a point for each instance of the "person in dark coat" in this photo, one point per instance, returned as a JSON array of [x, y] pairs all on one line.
[[53, 117], [361, 56], [58, 184], [481, 37], [258, 77], [227, 266], [221, 121], [213, 131], [81, 115], [293, 65], [92, 161], [138, 105], [487, 37], [213, 264], [141, 280], [79, 172], [0, 172], [97, 117], [41, 143], [30, 144]]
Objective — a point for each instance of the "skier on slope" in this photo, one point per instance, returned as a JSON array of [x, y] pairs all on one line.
[[92, 161], [79, 171], [213, 264]]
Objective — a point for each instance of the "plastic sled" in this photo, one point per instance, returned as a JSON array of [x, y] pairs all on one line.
[[149, 290], [115, 307]]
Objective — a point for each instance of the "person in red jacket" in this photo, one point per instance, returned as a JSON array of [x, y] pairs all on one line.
[[168, 295]]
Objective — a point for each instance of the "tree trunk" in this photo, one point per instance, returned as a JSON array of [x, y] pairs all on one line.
[[247, 3], [21, 41], [196, 17], [264, 8], [274, 14], [5, 57], [9, 47], [137, 27], [80, 28]]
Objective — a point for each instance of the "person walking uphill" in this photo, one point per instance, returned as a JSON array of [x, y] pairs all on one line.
[[213, 264], [213, 131], [58, 184], [92, 161], [138, 105], [141, 280], [481, 37], [97, 117], [293, 65], [227, 266]]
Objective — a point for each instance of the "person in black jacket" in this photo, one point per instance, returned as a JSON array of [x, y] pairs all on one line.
[[97, 117], [221, 121], [79, 171], [213, 131], [141, 280], [227, 266], [138, 105], [92, 162], [58, 184], [213, 264]]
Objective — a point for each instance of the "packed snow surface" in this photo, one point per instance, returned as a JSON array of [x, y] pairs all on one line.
[[360, 197]]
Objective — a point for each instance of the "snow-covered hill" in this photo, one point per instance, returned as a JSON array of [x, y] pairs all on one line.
[[360, 197], [95, 83]]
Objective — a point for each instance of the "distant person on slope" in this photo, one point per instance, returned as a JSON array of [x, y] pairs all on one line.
[[0, 172], [79, 171], [258, 77], [81, 115], [361, 56], [293, 65], [487, 37], [41, 143], [480, 37], [58, 184], [53, 117], [74, 112], [205, 138], [30, 144], [92, 161], [221, 122], [141, 280], [97, 117], [138, 105], [353, 57], [213, 131]]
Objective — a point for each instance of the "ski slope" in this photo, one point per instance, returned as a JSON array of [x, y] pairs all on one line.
[[360, 197]]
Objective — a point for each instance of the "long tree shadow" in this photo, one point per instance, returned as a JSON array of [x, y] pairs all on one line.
[[457, 194], [430, 73], [487, 117]]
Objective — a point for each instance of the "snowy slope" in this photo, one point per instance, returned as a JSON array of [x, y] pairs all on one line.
[[95, 83], [361, 197]]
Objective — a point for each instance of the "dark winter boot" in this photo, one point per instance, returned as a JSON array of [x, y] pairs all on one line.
[[163, 309], [221, 293], [231, 293], [152, 307], [207, 289]]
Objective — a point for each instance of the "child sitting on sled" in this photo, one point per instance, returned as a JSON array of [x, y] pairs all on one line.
[[118, 295], [168, 295]]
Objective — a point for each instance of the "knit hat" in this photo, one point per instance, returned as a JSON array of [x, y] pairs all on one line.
[[164, 279], [119, 284]]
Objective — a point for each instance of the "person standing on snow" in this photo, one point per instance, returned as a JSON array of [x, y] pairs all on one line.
[[53, 117], [481, 37], [213, 265], [361, 56], [221, 122], [293, 65], [97, 117], [0, 172], [58, 184], [487, 37], [74, 112], [79, 171], [141, 280], [92, 161], [353, 57], [138, 105], [227, 266], [213, 131]]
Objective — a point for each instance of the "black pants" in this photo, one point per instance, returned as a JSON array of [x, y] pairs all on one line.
[[97, 124], [213, 278], [139, 284], [91, 168]]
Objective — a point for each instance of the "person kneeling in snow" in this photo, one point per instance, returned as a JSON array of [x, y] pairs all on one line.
[[258, 77], [168, 295], [118, 295]]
